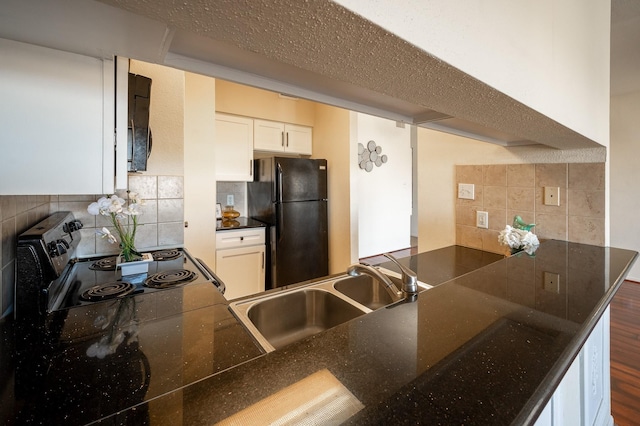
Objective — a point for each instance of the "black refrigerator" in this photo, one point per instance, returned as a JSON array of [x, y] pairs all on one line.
[[290, 196]]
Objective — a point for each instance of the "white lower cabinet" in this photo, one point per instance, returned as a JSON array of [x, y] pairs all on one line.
[[583, 397], [240, 261]]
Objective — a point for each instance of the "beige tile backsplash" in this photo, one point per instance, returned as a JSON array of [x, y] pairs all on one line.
[[161, 223], [518, 189]]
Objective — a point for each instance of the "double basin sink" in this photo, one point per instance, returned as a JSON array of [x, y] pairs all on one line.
[[278, 319]]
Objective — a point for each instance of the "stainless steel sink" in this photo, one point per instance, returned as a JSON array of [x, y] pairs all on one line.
[[366, 290], [276, 319], [299, 314]]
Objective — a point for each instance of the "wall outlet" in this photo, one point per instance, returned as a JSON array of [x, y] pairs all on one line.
[[551, 282], [482, 219], [551, 196], [230, 200], [466, 191]]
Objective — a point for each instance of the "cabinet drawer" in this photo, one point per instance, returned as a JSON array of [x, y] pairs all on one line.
[[239, 238]]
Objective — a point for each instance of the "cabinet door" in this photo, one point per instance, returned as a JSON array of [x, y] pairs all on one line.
[[298, 139], [234, 148], [241, 270], [56, 117], [268, 136]]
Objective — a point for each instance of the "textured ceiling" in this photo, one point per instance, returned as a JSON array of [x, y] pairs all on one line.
[[319, 45]]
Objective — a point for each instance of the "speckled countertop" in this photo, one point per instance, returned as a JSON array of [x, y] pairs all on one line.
[[238, 223], [477, 349]]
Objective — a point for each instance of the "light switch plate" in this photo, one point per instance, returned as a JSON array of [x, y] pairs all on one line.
[[551, 282], [482, 219], [551, 196], [466, 191], [230, 200]]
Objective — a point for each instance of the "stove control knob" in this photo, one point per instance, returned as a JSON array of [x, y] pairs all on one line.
[[74, 225], [52, 247], [57, 248]]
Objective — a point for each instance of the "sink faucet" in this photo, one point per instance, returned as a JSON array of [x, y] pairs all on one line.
[[360, 269], [409, 278]]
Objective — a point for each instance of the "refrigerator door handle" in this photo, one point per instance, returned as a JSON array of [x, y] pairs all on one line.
[[279, 195]]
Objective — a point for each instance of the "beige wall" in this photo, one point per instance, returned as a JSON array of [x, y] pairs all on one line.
[[518, 189], [331, 141], [625, 174], [199, 172], [439, 153], [166, 117], [239, 99]]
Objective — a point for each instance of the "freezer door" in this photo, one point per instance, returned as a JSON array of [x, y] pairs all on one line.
[[299, 251], [300, 179]]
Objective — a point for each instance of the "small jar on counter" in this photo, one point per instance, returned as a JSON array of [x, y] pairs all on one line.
[[229, 213]]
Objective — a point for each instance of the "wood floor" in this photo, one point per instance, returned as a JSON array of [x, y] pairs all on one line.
[[625, 355]]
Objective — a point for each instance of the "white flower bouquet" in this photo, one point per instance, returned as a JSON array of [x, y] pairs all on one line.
[[117, 209], [518, 238]]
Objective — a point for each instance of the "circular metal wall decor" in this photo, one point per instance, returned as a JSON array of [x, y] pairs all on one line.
[[370, 155]]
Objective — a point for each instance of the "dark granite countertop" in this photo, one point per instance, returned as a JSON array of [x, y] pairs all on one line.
[[487, 347], [238, 223], [439, 266]]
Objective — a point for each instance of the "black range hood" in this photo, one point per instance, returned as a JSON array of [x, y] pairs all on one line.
[[139, 134]]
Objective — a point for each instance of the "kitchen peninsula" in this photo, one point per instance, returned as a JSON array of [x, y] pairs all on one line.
[[488, 347]]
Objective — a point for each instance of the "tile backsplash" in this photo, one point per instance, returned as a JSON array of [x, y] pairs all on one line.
[[518, 189], [239, 192], [161, 224]]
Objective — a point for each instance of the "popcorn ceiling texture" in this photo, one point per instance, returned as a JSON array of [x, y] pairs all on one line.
[[506, 190], [316, 40]]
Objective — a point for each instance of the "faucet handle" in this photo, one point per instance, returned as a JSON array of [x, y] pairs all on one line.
[[409, 278]]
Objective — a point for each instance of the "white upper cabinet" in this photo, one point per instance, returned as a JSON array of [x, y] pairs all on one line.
[[234, 148], [57, 120], [273, 136]]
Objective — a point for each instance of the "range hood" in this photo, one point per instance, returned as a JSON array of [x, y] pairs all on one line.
[[139, 140]]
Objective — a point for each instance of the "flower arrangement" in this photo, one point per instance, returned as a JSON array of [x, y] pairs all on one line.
[[519, 237], [117, 209]]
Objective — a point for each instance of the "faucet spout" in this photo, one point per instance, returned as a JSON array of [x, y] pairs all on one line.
[[409, 278], [360, 269]]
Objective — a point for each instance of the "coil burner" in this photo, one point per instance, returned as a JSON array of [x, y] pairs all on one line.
[[107, 291], [105, 264], [170, 278], [168, 254]]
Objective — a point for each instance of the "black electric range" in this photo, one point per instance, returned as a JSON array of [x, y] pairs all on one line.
[[50, 279], [107, 342]]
